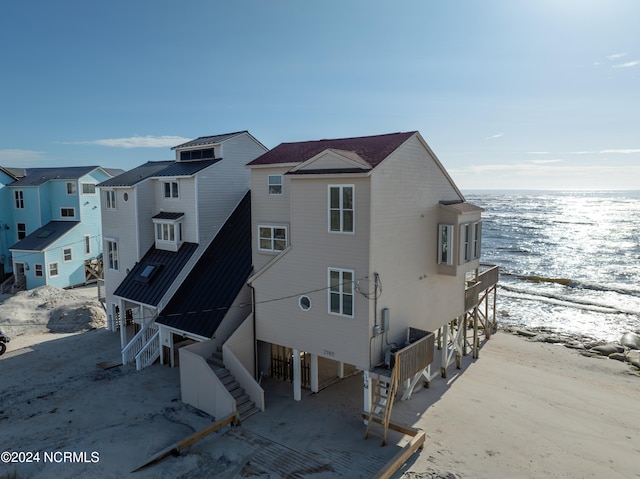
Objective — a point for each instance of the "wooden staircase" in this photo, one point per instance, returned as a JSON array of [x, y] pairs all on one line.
[[383, 395], [244, 405]]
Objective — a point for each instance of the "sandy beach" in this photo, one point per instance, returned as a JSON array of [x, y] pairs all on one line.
[[523, 409]]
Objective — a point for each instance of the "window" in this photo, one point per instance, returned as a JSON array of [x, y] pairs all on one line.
[[38, 270], [87, 244], [21, 228], [66, 255], [110, 199], [170, 189], [275, 184], [19, 197], [470, 236], [341, 209], [445, 242], [167, 231], [305, 303], [71, 188], [272, 238], [341, 292], [204, 154], [67, 212], [53, 270], [112, 254], [477, 228], [466, 245], [88, 189]]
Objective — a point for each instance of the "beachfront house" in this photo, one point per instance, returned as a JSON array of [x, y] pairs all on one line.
[[362, 248], [159, 223], [7, 176], [53, 226]]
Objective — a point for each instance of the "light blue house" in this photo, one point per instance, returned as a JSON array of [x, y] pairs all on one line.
[[55, 226], [7, 176]]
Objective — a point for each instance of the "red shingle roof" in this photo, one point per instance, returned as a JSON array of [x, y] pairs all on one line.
[[372, 149]]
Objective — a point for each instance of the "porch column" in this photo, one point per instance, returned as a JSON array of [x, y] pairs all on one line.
[[123, 324], [314, 373], [445, 350], [367, 391], [341, 370], [297, 378]]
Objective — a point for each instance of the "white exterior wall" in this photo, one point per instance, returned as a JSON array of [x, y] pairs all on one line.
[[119, 224], [221, 187], [408, 187], [304, 269], [185, 203]]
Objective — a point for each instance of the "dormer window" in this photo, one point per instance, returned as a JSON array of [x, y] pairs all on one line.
[[168, 227], [204, 154]]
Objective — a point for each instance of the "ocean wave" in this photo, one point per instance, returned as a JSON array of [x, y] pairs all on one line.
[[576, 283], [558, 299]]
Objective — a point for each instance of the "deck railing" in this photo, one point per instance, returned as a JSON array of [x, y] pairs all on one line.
[[415, 357]]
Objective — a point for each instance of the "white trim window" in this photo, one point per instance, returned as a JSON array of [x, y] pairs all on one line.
[[445, 244], [87, 244], [67, 212], [38, 270], [170, 189], [169, 234], [71, 188], [88, 188], [274, 184], [272, 238], [53, 270], [470, 234], [21, 230], [477, 235], [110, 199], [341, 292], [67, 255], [18, 195], [341, 208], [112, 254]]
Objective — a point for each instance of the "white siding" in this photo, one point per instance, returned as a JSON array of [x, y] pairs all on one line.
[[221, 187], [304, 269], [408, 187]]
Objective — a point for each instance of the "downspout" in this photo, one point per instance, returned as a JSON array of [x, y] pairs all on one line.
[[256, 374]]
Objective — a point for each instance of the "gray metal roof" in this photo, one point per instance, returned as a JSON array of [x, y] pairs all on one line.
[[167, 264], [137, 174], [207, 293], [186, 168], [156, 169], [39, 176], [41, 238], [208, 140], [165, 215]]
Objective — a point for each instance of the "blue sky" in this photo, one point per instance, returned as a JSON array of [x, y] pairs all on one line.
[[509, 94]]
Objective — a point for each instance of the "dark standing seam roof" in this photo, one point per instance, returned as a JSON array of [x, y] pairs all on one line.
[[153, 169], [165, 215], [170, 263], [372, 149], [202, 301], [208, 140], [38, 176], [41, 238], [137, 174]]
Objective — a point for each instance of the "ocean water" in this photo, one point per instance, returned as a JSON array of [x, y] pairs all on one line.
[[569, 261]]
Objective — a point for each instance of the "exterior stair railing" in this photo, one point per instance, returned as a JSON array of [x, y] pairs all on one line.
[[139, 341]]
